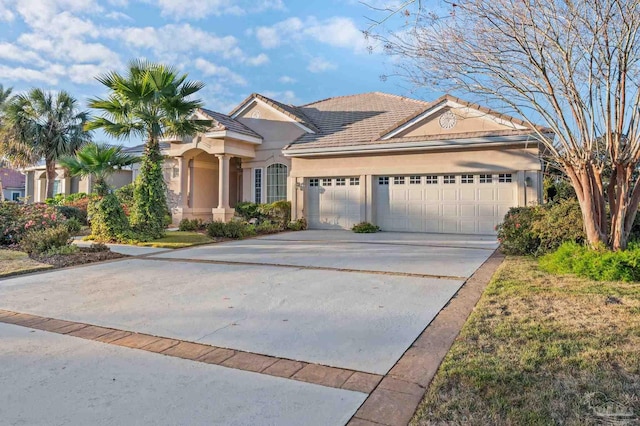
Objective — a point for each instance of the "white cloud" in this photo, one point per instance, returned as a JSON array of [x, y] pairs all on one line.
[[287, 80], [6, 14], [255, 61], [172, 39], [270, 37], [318, 64], [224, 74], [28, 74], [287, 96], [11, 52], [199, 9], [336, 31], [85, 73], [118, 16]]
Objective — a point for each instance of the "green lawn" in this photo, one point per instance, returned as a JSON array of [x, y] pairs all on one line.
[[16, 262], [541, 349], [178, 239]]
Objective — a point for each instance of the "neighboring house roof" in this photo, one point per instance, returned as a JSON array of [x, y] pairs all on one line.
[[369, 118], [227, 123], [11, 178], [139, 149], [295, 113]]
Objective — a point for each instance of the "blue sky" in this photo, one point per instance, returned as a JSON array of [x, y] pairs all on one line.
[[294, 51]]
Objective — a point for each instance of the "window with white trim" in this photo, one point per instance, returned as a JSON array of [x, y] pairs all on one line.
[[505, 178], [398, 180], [431, 179], [449, 179], [314, 182], [466, 179], [326, 182], [354, 181], [276, 182], [257, 185], [15, 195], [341, 182], [415, 180], [486, 179], [383, 180]]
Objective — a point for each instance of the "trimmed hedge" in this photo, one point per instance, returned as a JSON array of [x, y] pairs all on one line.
[[365, 228]]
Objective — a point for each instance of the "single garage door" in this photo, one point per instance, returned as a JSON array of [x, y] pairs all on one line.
[[333, 203], [460, 204]]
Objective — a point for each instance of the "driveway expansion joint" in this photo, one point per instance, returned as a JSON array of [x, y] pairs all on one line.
[[322, 375], [301, 267]]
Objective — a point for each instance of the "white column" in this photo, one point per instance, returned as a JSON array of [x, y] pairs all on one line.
[[223, 181], [183, 165]]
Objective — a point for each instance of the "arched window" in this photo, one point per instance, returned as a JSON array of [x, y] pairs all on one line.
[[276, 182]]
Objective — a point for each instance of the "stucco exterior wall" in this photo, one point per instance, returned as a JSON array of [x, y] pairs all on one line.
[[467, 121], [478, 160]]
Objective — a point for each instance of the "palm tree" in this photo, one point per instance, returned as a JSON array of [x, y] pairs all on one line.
[[39, 125], [149, 101], [99, 161]]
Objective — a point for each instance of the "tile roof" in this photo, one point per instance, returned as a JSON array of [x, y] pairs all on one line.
[[229, 123], [355, 119], [365, 118], [11, 178], [295, 113]]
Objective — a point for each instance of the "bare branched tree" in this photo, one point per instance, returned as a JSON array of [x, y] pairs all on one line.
[[572, 65]]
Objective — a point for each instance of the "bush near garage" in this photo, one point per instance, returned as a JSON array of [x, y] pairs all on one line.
[[235, 229], [298, 225], [17, 219], [537, 230], [365, 228], [278, 212]]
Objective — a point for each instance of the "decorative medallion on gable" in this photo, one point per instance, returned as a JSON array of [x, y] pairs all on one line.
[[448, 120]]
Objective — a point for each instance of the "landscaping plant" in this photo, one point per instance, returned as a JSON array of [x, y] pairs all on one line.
[[365, 228], [108, 221], [149, 101], [17, 219], [47, 241]]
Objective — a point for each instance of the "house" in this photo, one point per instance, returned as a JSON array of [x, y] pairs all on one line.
[[36, 182], [11, 184], [445, 166]]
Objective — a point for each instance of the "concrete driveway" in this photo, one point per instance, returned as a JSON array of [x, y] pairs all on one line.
[[326, 298]]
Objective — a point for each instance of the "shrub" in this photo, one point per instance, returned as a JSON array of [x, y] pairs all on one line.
[[71, 212], [96, 247], [267, 227], [234, 229], [108, 221], [125, 196], [557, 223], [298, 225], [248, 210], [191, 225], [63, 250], [81, 204], [516, 232], [57, 200], [216, 229], [365, 228], [17, 219], [149, 196], [557, 189], [73, 226], [278, 212], [599, 265], [40, 241]]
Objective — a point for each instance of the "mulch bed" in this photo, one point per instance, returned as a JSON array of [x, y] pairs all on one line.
[[84, 255]]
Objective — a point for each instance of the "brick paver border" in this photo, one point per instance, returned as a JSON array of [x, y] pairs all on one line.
[[323, 375], [395, 399]]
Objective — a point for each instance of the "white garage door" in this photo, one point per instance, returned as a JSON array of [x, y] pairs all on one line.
[[333, 203], [460, 204]]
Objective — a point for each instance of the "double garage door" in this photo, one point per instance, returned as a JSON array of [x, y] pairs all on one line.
[[455, 203]]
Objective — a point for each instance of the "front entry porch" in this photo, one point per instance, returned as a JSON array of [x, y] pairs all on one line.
[[206, 180]]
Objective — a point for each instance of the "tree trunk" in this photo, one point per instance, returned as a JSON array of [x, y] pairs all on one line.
[[51, 177], [591, 202]]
